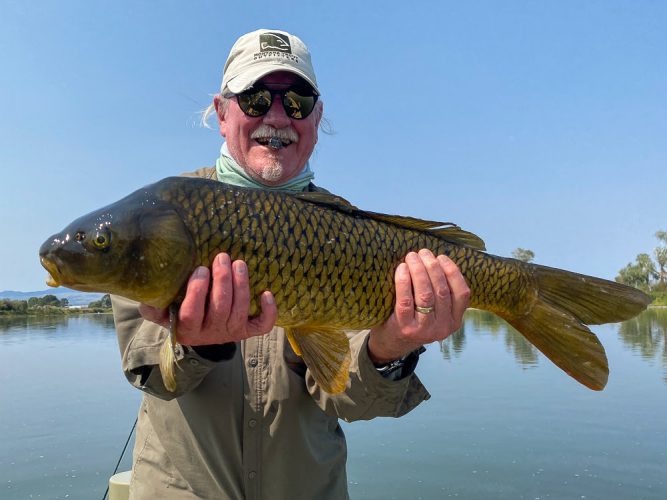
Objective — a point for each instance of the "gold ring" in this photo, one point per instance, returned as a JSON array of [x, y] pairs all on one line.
[[424, 310]]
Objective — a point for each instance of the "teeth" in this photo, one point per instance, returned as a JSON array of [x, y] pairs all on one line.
[[51, 281], [265, 140]]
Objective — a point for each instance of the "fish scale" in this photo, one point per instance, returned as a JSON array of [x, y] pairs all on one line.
[[365, 252], [329, 265]]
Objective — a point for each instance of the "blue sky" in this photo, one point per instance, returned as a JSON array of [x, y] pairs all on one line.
[[533, 124]]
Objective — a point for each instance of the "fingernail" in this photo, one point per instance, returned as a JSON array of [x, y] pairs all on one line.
[[268, 297], [200, 272], [241, 268]]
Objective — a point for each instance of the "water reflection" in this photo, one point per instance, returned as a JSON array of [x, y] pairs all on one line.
[[486, 323], [30, 322], [454, 344], [646, 335], [18, 323]]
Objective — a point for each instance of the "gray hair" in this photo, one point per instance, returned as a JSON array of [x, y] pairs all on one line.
[[210, 110]]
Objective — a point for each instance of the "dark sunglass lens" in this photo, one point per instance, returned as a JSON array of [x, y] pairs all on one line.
[[255, 102], [298, 106]]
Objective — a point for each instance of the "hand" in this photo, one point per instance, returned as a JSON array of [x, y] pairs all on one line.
[[425, 281], [221, 315]]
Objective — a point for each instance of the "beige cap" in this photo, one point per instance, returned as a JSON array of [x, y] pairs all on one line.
[[261, 52]]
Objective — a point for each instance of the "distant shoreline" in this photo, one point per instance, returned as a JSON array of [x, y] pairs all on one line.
[[55, 312]]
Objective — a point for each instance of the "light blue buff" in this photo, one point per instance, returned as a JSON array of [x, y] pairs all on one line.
[[230, 172]]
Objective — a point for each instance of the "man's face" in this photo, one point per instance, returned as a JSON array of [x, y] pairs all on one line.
[[267, 165]]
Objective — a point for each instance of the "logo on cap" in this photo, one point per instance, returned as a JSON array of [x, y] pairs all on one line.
[[271, 42]]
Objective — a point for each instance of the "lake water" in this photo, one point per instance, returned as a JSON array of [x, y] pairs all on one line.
[[502, 423]]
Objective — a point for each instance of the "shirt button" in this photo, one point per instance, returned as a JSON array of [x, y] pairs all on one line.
[[253, 362], [252, 423], [252, 474]]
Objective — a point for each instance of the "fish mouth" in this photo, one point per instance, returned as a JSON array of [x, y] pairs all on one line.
[[55, 277], [54, 272]]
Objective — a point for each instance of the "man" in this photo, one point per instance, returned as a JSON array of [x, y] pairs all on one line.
[[247, 419]]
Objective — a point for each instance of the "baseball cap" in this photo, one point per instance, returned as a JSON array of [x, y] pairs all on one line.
[[258, 53]]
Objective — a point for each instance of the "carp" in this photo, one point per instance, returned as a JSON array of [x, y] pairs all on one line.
[[329, 265]]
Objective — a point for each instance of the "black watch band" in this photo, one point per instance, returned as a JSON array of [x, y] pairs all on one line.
[[401, 368]]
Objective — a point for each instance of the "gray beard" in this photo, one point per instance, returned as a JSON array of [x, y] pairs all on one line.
[[273, 171]]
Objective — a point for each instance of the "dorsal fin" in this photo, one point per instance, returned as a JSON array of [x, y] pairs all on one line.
[[444, 230], [327, 199]]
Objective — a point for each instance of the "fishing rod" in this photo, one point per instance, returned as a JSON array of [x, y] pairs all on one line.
[[122, 453]]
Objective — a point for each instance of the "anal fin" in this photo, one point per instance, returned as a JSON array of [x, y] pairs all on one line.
[[326, 352]]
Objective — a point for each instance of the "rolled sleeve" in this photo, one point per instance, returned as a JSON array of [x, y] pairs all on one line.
[[369, 394], [140, 342]]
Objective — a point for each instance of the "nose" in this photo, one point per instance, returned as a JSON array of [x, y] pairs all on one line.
[[276, 117]]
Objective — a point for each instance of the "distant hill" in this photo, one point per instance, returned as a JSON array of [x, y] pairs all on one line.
[[75, 298]]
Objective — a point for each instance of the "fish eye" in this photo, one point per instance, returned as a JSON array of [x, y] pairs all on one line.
[[102, 239]]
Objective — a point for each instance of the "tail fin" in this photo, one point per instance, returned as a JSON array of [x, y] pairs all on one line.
[[593, 301], [556, 324]]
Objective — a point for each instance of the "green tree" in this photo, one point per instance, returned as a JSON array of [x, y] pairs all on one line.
[[647, 266], [13, 306], [50, 300], [103, 303], [639, 273], [106, 301], [660, 254], [523, 254], [47, 300]]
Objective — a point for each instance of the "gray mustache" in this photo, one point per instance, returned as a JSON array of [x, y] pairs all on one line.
[[267, 131]]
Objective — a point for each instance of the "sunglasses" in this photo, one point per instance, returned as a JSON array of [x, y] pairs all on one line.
[[298, 102]]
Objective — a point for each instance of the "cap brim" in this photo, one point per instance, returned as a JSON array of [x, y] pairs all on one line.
[[247, 79]]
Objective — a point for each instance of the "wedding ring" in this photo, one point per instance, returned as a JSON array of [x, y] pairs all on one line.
[[424, 310]]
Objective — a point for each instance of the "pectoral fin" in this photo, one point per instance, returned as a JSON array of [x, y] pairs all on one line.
[[168, 359], [326, 352]]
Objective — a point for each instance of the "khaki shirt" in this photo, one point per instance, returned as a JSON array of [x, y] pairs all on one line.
[[256, 426]]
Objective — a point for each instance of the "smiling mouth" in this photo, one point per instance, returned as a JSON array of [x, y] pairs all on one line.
[[273, 142]]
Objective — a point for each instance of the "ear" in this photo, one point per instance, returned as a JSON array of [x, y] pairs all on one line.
[[319, 110], [317, 114], [220, 112]]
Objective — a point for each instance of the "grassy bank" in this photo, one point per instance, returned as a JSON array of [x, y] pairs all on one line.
[[659, 299], [50, 305]]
